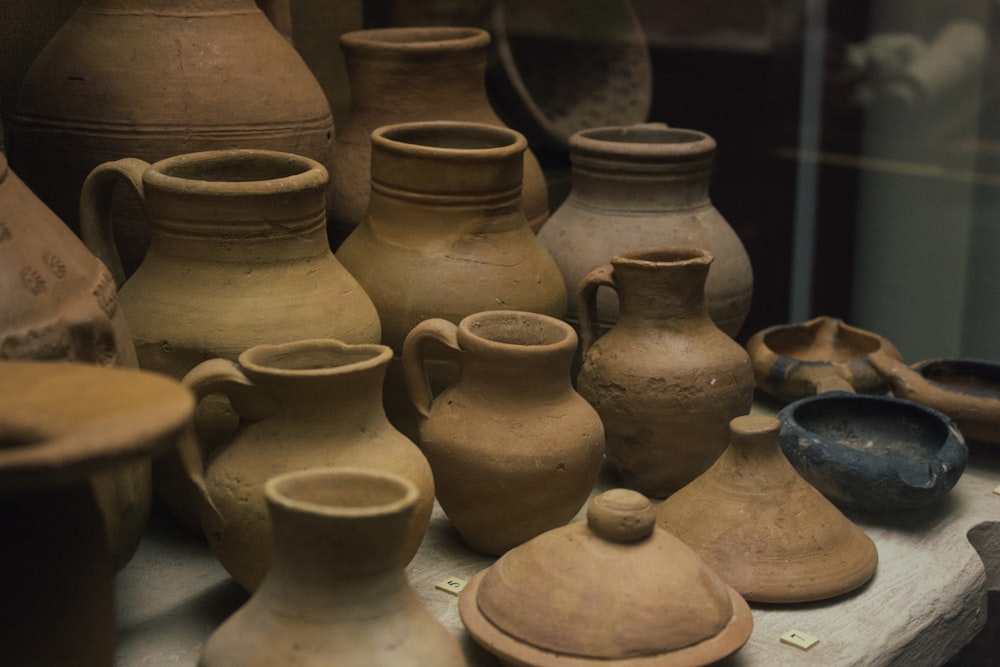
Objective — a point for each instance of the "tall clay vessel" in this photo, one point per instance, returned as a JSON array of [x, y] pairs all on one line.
[[401, 75], [646, 186], [665, 379], [155, 78], [302, 405], [238, 257], [336, 592], [514, 449]]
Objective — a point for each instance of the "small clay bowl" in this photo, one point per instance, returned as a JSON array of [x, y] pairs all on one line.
[[874, 453], [792, 361]]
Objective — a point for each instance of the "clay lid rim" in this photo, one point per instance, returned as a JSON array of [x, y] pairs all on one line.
[[725, 643]]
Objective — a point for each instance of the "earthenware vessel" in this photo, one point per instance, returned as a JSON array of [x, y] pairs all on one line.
[[59, 302], [792, 361], [336, 592], [874, 453], [238, 257], [402, 75], [646, 186], [614, 590], [763, 528], [967, 390], [233, 82], [302, 405], [60, 424], [514, 449], [445, 235], [665, 379]]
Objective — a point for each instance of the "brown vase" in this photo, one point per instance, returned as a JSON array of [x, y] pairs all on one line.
[[60, 424], [514, 449], [302, 405], [445, 235], [238, 257], [646, 186], [765, 530], [614, 590], [402, 75], [336, 592], [665, 379], [155, 78], [59, 302]]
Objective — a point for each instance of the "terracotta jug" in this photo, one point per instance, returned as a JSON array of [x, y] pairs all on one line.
[[615, 590], [60, 424], [765, 530], [238, 257], [336, 592], [665, 379], [646, 186], [514, 449], [401, 75], [445, 235], [302, 405], [59, 302], [199, 75]]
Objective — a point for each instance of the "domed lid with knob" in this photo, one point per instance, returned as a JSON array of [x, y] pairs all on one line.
[[614, 590]]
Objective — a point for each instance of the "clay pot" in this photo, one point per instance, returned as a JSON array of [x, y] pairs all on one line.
[[336, 592], [646, 186], [238, 257], [874, 453], [445, 235], [792, 361], [198, 76], [665, 379], [764, 529], [967, 390], [402, 75], [59, 302], [302, 405], [514, 449], [615, 590], [60, 424]]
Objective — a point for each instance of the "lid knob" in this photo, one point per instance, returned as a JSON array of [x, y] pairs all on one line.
[[621, 515]]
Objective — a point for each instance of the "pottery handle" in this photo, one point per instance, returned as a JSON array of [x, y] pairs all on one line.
[[95, 209], [414, 370], [586, 303]]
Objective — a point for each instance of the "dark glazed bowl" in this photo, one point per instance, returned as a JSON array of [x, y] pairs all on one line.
[[873, 453]]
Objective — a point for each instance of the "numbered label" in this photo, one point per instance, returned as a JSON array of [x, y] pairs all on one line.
[[453, 585], [799, 640]]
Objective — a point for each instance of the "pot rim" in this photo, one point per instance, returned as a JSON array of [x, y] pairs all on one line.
[[643, 142], [658, 257], [469, 338], [279, 490], [414, 40], [294, 173], [500, 142], [262, 359]]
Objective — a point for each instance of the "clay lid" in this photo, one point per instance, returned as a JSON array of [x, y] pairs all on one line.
[[614, 590], [763, 528]]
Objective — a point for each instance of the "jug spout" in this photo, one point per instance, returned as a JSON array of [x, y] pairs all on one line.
[[904, 381]]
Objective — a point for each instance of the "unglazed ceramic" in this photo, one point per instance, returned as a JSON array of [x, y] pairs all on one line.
[[302, 405], [199, 75], [402, 75], [641, 187], [665, 379], [60, 424], [614, 590], [336, 592], [763, 528], [514, 449], [792, 361]]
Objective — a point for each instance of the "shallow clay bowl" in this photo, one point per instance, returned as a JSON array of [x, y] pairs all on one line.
[[792, 361], [874, 453]]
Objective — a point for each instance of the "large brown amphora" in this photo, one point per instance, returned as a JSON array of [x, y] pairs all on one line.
[[302, 405], [665, 379], [445, 235], [514, 449], [401, 75], [156, 78], [647, 186], [336, 592], [238, 257]]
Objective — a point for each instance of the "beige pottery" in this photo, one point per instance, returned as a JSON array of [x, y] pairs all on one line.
[[514, 449]]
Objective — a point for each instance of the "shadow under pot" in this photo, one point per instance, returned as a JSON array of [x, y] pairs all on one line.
[[873, 453]]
